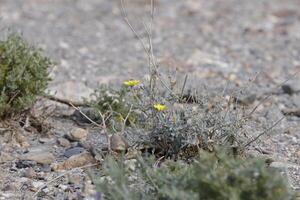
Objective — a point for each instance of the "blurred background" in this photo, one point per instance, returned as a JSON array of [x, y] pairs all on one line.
[[213, 41]]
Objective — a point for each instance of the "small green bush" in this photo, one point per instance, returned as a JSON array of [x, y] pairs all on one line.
[[210, 177], [116, 105], [109, 102], [23, 75]]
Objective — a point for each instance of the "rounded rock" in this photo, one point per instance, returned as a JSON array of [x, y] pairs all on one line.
[[78, 134]]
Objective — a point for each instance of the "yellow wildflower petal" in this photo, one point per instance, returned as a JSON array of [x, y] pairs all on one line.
[[160, 107], [131, 82]]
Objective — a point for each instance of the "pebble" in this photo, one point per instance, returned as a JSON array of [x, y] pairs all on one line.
[[118, 143], [64, 142], [30, 173], [73, 151], [90, 189], [23, 179], [247, 100], [9, 187], [75, 161], [45, 140], [25, 164], [287, 89], [78, 134], [74, 178], [22, 140], [5, 157], [6, 195], [37, 184], [46, 190], [63, 187], [40, 157]]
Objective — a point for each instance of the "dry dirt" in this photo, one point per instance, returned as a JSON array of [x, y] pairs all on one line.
[[215, 42]]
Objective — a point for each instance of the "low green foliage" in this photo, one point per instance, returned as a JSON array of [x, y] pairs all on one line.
[[210, 177], [23, 75], [113, 105]]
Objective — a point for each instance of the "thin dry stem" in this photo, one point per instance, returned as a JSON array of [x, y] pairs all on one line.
[[268, 96], [264, 132], [126, 118], [93, 122], [149, 51], [64, 101]]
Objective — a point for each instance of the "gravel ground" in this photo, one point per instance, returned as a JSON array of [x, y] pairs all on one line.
[[213, 41]]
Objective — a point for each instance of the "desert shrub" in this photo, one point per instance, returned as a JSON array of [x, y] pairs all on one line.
[[23, 75], [209, 177], [114, 106], [174, 123]]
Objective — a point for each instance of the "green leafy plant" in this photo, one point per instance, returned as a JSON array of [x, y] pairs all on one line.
[[23, 75], [114, 106], [209, 177]]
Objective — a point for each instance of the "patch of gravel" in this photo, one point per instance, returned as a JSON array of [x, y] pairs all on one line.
[[213, 41]]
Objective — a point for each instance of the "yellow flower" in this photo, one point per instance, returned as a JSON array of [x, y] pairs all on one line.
[[131, 82], [160, 107]]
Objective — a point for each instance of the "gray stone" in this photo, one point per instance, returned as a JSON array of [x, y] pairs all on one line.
[[78, 134], [64, 142], [40, 157], [73, 151], [118, 143]]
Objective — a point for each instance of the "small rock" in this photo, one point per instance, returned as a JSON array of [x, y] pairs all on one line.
[[75, 144], [7, 195], [46, 190], [37, 184], [9, 187], [78, 134], [63, 187], [5, 157], [74, 161], [25, 164], [45, 140], [246, 101], [64, 142], [90, 189], [40, 157], [292, 112], [45, 168], [22, 140], [73, 151], [287, 89], [74, 178], [23, 180], [118, 143], [30, 173]]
